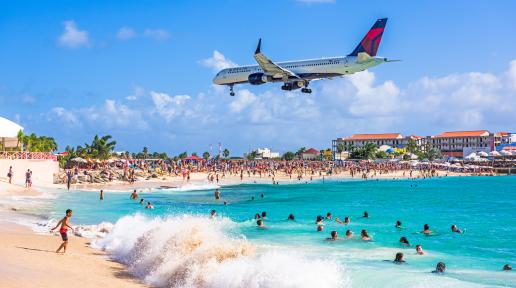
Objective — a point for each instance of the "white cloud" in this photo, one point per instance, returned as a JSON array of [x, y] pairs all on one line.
[[72, 37], [64, 115], [217, 62], [125, 33], [242, 100], [138, 92], [28, 99], [170, 107], [157, 34], [512, 74]]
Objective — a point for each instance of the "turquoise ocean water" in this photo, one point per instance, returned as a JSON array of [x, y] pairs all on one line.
[[485, 207]]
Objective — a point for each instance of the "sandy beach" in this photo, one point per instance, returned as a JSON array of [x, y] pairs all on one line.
[[29, 260]]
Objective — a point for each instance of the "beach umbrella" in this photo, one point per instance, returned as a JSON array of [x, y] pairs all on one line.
[[384, 148], [494, 153], [78, 160], [482, 153], [471, 156], [505, 152]]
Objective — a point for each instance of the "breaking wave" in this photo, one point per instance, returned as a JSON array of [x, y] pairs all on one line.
[[194, 251]]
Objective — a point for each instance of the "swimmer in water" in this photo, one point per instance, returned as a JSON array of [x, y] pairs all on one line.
[[426, 230], [257, 216], [225, 203], [149, 206], [213, 213], [419, 250], [404, 241], [142, 202], [455, 229], [217, 194], [134, 195], [261, 195], [346, 220], [252, 198], [260, 223], [264, 215], [328, 216], [399, 258], [365, 236], [320, 228], [349, 234], [334, 236], [398, 224], [319, 220], [366, 215], [291, 217], [440, 268], [507, 267]]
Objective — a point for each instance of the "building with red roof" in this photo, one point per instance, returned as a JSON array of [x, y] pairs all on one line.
[[311, 154], [463, 143]]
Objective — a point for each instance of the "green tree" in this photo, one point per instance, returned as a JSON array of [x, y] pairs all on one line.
[[183, 155], [145, 152], [225, 153], [206, 155], [412, 146], [340, 147], [288, 156], [381, 154], [300, 152], [368, 151], [252, 155]]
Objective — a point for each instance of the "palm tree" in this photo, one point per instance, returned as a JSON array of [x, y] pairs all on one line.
[[206, 155], [225, 153], [145, 152], [20, 137]]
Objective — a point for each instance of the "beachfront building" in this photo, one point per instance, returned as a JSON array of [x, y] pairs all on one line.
[[9, 134], [359, 140], [266, 153], [463, 143], [311, 154]]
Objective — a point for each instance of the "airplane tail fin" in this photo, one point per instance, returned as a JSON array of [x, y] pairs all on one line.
[[371, 40]]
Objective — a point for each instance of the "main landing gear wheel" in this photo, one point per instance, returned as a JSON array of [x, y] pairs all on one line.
[[305, 89], [231, 92]]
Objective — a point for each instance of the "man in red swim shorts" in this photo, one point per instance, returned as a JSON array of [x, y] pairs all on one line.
[[65, 224]]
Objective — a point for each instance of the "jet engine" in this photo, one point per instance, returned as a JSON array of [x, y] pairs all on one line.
[[259, 78]]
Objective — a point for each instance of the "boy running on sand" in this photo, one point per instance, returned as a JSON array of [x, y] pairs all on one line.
[[65, 224]]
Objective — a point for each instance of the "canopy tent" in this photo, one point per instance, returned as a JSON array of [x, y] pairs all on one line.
[[482, 153], [505, 152], [8, 133], [79, 160], [384, 148]]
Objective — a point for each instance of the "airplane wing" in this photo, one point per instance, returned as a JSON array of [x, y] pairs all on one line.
[[270, 67]]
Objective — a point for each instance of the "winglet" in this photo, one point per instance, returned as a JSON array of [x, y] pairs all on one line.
[[259, 46]]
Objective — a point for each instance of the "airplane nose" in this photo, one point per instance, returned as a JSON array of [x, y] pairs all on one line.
[[216, 80]]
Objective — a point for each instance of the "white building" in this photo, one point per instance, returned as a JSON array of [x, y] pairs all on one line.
[[8, 133], [266, 153]]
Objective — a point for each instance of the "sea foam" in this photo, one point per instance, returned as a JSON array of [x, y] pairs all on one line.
[[194, 251]]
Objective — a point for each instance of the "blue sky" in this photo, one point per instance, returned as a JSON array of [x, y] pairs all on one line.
[[142, 71]]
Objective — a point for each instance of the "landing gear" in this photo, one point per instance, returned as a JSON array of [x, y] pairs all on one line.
[[231, 92], [306, 89]]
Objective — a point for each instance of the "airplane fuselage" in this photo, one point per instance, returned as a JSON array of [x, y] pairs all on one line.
[[305, 69]]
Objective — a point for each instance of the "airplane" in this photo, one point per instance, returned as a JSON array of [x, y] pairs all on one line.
[[298, 74]]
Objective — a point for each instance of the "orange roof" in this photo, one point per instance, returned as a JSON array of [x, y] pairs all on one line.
[[502, 134], [374, 136], [474, 133], [311, 151], [416, 137]]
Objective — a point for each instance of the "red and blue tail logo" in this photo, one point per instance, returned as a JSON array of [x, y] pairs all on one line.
[[372, 39]]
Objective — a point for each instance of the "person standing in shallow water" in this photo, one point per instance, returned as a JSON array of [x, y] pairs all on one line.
[[101, 194], [65, 224]]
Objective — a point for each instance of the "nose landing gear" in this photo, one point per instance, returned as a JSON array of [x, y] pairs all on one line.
[[231, 92]]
